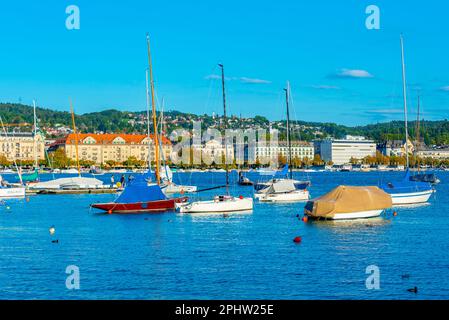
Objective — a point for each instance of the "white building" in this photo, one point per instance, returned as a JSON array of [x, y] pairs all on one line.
[[341, 151], [439, 154], [299, 150]]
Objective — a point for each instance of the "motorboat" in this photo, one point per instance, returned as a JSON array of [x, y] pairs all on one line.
[[218, 205], [348, 202]]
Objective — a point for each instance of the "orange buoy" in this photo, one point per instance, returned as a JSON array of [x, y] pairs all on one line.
[[305, 218], [109, 211], [395, 213], [297, 239]]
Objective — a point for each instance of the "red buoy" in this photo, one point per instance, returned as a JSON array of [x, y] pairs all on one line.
[[241, 197], [297, 240], [109, 211], [395, 213]]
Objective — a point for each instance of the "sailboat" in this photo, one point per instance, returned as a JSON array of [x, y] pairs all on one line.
[[140, 195], [73, 183], [220, 203], [423, 177], [280, 188], [8, 190], [407, 192], [34, 176], [166, 174]]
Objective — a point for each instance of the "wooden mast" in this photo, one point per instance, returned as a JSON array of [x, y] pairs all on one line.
[[288, 130], [76, 139], [156, 139], [225, 124]]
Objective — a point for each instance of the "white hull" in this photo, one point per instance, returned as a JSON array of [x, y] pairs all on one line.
[[294, 196], [411, 198], [357, 215], [174, 188], [69, 183], [15, 192], [230, 204]]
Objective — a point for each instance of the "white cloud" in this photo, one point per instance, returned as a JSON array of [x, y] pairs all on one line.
[[254, 81], [354, 73]]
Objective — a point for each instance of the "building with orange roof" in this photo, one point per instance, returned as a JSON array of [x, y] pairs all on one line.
[[101, 148]]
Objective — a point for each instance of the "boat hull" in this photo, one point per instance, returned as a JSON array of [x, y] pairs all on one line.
[[213, 206], [353, 215], [411, 198], [140, 207], [16, 192], [294, 196]]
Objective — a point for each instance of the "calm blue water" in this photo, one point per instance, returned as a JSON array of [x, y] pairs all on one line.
[[244, 256]]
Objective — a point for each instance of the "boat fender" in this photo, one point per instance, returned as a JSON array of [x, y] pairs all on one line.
[[109, 211], [297, 239]]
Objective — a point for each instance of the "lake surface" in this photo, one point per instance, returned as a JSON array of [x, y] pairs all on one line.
[[243, 256]]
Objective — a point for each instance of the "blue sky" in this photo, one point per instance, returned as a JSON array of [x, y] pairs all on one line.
[[339, 71]]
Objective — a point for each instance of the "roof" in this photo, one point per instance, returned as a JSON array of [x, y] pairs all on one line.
[[107, 138]]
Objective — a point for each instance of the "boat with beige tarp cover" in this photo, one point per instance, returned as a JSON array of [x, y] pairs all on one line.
[[347, 202]]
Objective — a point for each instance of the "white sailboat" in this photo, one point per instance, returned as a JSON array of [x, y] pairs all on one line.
[[7, 190], [220, 203], [285, 189], [72, 182], [407, 192]]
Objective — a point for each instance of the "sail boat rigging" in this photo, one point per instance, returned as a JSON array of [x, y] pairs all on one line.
[[407, 191], [282, 187], [220, 203], [140, 195]]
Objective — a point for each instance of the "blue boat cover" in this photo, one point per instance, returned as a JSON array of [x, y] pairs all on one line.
[[138, 190], [405, 186]]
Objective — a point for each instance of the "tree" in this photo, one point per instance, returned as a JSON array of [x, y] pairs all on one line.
[[317, 160], [59, 159], [4, 161]]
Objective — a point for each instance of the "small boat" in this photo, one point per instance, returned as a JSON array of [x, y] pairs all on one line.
[[347, 202], [282, 190], [11, 191], [140, 197], [407, 192], [244, 181], [168, 186], [346, 168], [67, 183], [218, 205]]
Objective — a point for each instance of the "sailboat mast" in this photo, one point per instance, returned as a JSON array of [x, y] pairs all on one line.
[[288, 130], [404, 88], [148, 118], [36, 164], [156, 139], [76, 139], [225, 123], [417, 133]]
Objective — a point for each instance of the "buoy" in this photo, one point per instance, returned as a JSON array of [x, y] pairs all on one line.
[[241, 197], [52, 230], [414, 290], [109, 211], [395, 213], [55, 241], [305, 218], [297, 239], [8, 207]]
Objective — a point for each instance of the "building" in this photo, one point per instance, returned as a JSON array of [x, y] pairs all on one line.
[[213, 150], [395, 148], [340, 151], [440, 154], [101, 148], [299, 150], [21, 146]]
